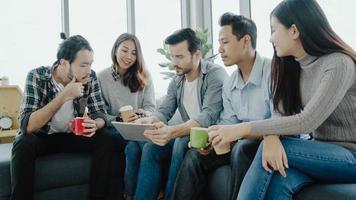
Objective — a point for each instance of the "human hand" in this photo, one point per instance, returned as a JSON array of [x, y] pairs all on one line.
[[136, 114], [203, 151], [146, 120], [90, 127], [72, 90], [274, 155], [221, 135], [161, 135]]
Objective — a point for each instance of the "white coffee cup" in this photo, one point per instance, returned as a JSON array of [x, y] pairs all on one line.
[[126, 112]]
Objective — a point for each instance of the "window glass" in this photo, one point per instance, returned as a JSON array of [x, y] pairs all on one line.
[[260, 11], [29, 37], [219, 8], [152, 27], [100, 23], [339, 14]]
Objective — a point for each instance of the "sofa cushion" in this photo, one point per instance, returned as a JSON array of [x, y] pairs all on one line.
[[60, 170], [56, 171], [328, 192], [5, 179], [219, 188], [67, 169]]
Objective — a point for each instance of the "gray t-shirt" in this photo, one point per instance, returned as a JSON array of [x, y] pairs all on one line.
[[117, 95], [328, 94]]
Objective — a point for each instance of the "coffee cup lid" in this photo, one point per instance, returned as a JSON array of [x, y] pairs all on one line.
[[200, 128], [125, 108]]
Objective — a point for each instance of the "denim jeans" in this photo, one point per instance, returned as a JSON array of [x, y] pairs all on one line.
[[133, 152], [179, 149], [150, 171], [308, 161]]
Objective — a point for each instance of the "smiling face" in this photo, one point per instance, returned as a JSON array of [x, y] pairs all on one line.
[[126, 54], [80, 68], [285, 40], [231, 48], [183, 61]]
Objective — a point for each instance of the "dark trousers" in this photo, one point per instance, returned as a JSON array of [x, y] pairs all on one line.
[[27, 148], [193, 174], [242, 155]]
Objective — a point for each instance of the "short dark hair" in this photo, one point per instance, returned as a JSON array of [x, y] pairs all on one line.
[[194, 43], [69, 48], [241, 26]]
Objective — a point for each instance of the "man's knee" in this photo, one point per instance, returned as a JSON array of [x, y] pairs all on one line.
[[105, 138], [244, 149], [191, 159], [152, 152], [180, 146], [24, 143]]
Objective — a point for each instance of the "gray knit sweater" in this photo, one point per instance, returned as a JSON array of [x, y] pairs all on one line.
[[117, 95], [328, 93]]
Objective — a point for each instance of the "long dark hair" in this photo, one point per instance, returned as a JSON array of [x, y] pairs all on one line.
[[135, 76], [317, 38]]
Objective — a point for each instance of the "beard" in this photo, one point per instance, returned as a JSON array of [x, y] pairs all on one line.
[[181, 72]]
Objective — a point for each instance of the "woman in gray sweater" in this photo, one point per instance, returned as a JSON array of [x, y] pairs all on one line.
[[314, 91], [127, 82]]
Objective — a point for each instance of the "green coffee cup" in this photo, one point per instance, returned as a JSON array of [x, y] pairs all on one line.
[[199, 137]]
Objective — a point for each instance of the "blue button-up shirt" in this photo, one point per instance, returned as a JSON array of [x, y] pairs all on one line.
[[251, 100]]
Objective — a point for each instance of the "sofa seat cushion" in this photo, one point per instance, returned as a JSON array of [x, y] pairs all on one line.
[[68, 169], [57, 170], [5, 179], [328, 192], [60, 170], [219, 188]]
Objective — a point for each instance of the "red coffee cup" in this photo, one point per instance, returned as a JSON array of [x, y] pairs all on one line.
[[77, 126]]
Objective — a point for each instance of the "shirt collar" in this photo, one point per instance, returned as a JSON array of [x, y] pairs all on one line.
[[255, 76], [115, 75]]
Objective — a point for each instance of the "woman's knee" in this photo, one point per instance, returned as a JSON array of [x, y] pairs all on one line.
[[132, 150]]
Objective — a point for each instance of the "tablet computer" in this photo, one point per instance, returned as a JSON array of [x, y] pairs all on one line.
[[132, 131]]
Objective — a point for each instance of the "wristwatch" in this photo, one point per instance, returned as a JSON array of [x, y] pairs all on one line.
[[5, 122]]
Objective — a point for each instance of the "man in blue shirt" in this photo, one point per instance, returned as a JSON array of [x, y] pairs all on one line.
[[246, 97]]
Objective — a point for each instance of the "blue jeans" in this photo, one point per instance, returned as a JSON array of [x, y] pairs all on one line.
[[150, 172], [133, 156], [308, 160], [179, 149]]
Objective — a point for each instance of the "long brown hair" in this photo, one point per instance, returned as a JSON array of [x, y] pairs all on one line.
[[317, 38], [135, 76]]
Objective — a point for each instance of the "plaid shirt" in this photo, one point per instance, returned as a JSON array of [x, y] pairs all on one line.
[[40, 90]]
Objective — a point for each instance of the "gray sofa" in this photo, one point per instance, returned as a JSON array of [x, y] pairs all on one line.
[[218, 188], [60, 176]]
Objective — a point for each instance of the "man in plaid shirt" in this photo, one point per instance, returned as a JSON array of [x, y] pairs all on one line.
[[53, 97]]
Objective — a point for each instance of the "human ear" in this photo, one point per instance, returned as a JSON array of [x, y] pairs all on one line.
[[293, 30]]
